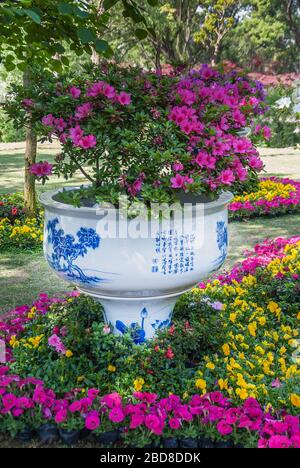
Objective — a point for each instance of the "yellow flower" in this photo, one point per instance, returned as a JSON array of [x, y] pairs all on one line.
[[223, 384], [274, 308], [261, 320], [226, 349], [232, 317], [242, 393], [138, 384], [13, 341], [31, 313], [295, 400], [80, 378], [68, 353], [200, 383], [241, 381], [252, 327], [111, 368], [210, 365]]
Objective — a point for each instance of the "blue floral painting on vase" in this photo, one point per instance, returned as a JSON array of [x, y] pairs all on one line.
[[222, 242], [66, 250], [135, 329], [161, 324]]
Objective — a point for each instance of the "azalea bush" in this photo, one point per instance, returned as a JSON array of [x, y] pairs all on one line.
[[230, 361], [274, 196], [149, 136], [17, 230]]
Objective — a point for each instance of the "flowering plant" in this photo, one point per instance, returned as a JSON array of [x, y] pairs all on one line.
[[151, 136], [16, 229], [240, 382], [274, 196]]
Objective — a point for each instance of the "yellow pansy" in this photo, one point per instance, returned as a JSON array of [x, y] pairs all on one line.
[[226, 349], [200, 383], [295, 400], [138, 384]]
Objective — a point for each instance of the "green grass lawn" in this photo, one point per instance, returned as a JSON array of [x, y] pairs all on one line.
[[24, 274]]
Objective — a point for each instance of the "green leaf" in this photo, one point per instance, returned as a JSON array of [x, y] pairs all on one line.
[[59, 48], [33, 15], [80, 13], [9, 66], [65, 61], [86, 35], [107, 4], [141, 34], [65, 8], [153, 2], [101, 46]]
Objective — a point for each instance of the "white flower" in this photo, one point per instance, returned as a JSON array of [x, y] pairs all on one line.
[[283, 102]]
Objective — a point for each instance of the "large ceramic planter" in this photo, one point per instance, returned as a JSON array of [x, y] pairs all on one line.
[[136, 277]]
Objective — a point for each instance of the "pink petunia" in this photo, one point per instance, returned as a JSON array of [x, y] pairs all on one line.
[[224, 428], [92, 421], [116, 415]]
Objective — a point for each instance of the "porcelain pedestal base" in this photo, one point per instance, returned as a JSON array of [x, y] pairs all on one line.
[[143, 317]]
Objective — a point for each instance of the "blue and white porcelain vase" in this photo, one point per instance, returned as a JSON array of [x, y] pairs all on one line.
[[137, 269]]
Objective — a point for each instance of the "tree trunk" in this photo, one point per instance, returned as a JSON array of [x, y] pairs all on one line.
[[95, 57], [30, 157]]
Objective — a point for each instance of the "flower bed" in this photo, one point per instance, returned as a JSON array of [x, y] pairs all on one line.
[[229, 364], [274, 196], [16, 229]]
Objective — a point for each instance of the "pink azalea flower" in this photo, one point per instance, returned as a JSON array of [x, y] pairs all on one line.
[[60, 124], [86, 142], [41, 169], [83, 110], [110, 93], [27, 102], [75, 92], [48, 120], [96, 89], [76, 134], [124, 98], [177, 166], [227, 177], [177, 181], [267, 132], [255, 162]]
